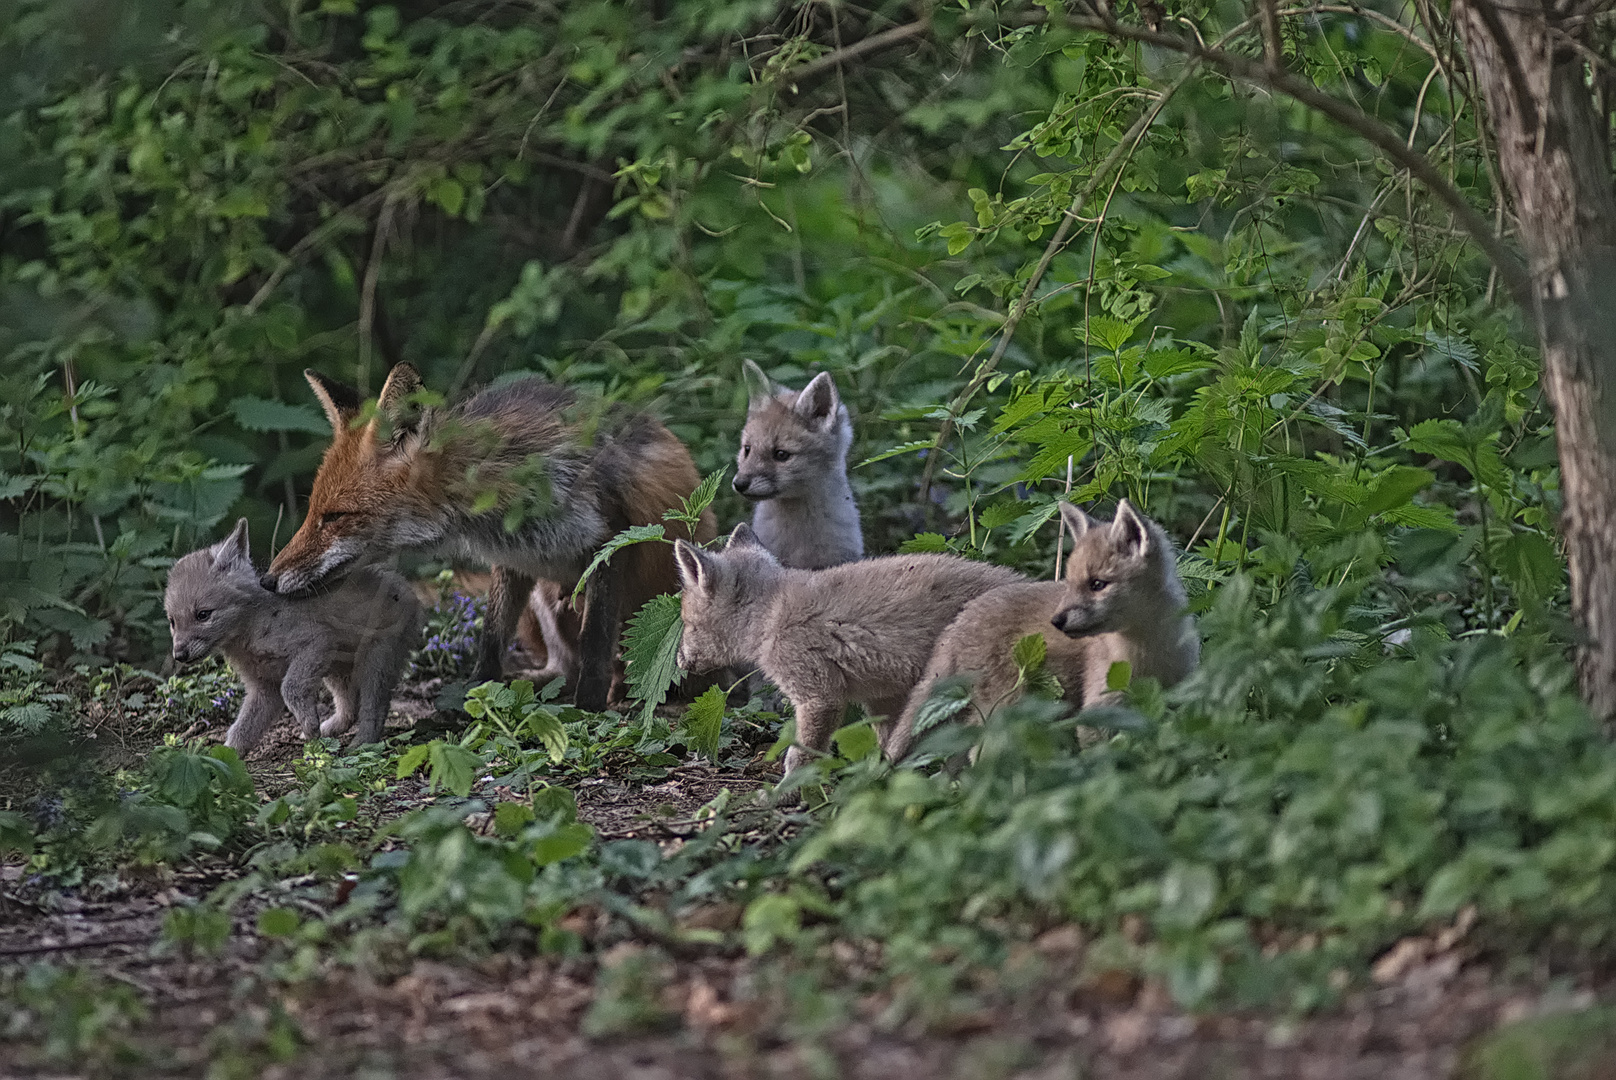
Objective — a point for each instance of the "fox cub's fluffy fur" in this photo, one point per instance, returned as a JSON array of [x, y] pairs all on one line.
[[860, 632], [1121, 601], [355, 637], [793, 464], [521, 476]]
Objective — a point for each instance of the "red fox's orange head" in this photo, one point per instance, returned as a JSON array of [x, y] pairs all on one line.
[[375, 491]]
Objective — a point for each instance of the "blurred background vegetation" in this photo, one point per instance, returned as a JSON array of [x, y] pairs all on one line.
[[1252, 324]]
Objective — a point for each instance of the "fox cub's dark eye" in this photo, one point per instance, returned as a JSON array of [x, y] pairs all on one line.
[[1097, 584], [746, 449], [782, 455], [332, 515], [203, 614]]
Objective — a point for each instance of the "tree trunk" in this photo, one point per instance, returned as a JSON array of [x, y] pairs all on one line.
[[1555, 158]]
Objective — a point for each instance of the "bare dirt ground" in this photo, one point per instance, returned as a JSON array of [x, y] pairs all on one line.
[[722, 1015]]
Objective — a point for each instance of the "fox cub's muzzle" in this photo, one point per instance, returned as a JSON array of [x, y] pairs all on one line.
[[753, 487], [1076, 622]]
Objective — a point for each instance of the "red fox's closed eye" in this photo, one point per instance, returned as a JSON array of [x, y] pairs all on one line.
[[332, 515]]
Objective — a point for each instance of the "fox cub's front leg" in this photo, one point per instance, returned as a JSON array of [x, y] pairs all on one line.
[[261, 707], [301, 689]]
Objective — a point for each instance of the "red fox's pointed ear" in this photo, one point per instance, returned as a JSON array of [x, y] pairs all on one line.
[[340, 402], [819, 402], [394, 402], [1076, 520], [233, 548], [695, 565], [759, 387], [1128, 531]]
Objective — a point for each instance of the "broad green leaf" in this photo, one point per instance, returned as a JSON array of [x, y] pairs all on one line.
[[855, 742], [453, 767], [703, 721]]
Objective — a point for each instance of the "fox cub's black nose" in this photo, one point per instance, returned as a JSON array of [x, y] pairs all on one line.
[[742, 484], [269, 581]]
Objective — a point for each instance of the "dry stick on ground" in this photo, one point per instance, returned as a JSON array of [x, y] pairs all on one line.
[[35, 950]]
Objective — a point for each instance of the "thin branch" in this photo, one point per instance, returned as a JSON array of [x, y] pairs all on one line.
[[807, 73]]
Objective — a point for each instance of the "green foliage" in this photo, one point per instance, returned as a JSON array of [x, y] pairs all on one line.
[[634, 534], [650, 651], [73, 1015], [515, 713], [704, 720]]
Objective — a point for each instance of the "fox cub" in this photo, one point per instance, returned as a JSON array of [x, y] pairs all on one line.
[[355, 637], [859, 632], [519, 476], [1121, 601], [793, 464]]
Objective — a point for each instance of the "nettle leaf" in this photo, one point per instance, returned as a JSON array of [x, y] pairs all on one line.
[[700, 499], [262, 414], [703, 721], [949, 697], [650, 651], [923, 543], [904, 448], [634, 534]]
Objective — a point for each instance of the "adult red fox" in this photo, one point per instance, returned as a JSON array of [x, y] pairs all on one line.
[[521, 476]]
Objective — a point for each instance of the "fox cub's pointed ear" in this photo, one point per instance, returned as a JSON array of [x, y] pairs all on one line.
[[394, 402], [340, 401], [695, 565], [743, 537], [233, 548], [1076, 520], [819, 403], [1128, 531], [759, 387]]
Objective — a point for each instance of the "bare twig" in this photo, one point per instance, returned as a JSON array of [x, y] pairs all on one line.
[[804, 74]]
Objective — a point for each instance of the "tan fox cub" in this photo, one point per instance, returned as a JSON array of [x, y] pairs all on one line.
[[519, 476], [859, 632], [355, 637], [1121, 601], [793, 464]]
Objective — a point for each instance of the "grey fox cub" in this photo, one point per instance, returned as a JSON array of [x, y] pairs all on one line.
[[355, 636], [860, 632], [1121, 601], [793, 464]]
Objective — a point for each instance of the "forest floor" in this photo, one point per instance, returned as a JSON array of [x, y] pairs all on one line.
[[1444, 1006]]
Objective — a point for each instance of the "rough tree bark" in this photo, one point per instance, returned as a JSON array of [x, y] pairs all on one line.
[[1554, 156]]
